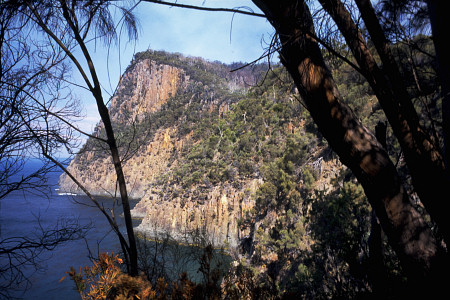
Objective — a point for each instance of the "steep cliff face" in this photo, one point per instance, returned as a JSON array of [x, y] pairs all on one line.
[[206, 152], [143, 89], [97, 173], [215, 214], [159, 103]]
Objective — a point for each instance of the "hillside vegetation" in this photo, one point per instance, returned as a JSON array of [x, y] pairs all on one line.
[[236, 156]]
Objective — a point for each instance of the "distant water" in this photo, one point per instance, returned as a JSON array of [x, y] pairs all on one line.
[[19, 213]]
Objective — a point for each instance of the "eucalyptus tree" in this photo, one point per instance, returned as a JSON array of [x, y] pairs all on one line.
[[439, 22], [300, 50], [408, 232], [422, 152]]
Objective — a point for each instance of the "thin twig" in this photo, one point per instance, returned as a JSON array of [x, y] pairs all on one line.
[[218, 9]]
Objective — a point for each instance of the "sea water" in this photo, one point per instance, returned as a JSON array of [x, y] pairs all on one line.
[[23, 212]]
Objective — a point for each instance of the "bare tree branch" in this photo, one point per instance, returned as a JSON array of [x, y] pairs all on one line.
[[221, 9]]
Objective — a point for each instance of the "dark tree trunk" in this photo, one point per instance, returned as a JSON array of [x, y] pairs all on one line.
[[357, 148], [423, 158], [133, 260], [96, 91], [440, 23], [377, 269]]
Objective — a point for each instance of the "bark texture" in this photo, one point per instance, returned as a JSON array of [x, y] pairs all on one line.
[[440, 22], [421, 152], [357, 148]]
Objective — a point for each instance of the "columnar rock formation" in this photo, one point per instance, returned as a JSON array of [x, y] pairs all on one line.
[[195, 146], [214, 218], [144, 89]]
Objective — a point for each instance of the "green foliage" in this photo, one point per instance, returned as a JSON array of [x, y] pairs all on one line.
[[338, 224], [307, 243], [242, 142], [341, 220]]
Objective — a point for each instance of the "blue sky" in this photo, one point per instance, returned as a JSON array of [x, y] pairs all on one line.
[[221, 36]]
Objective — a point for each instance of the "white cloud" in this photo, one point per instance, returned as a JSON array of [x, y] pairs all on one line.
[[205, 34]]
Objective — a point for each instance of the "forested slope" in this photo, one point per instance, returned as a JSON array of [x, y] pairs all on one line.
[[235, 157]]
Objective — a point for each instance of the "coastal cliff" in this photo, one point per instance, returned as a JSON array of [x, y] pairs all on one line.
[[208, 151], [143, 89], [233, 156], [156, 110]]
